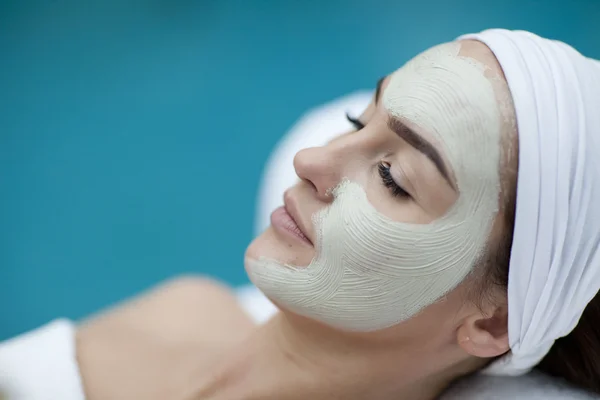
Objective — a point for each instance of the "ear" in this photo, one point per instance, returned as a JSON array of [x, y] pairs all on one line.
[[484, 336]]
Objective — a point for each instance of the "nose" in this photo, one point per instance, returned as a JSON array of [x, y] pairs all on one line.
[[320, 166]]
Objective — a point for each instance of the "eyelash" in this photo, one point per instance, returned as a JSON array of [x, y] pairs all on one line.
[[388, 181], [355, 121]]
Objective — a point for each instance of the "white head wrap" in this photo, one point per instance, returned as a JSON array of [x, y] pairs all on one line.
[[555, 258]]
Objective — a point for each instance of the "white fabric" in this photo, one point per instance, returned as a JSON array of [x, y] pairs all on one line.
[[533, 386], [555, 257], [41, 365]]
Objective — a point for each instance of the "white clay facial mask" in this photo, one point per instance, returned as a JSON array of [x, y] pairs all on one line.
[[371, 272]]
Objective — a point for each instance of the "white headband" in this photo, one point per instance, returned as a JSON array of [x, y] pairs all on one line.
[[555, 258]]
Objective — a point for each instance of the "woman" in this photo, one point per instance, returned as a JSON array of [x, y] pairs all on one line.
[[390, 259]]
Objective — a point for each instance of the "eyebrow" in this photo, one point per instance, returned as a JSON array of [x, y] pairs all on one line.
[[414, 139], [420, 144]]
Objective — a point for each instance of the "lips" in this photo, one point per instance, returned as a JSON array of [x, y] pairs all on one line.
[[285, 219]]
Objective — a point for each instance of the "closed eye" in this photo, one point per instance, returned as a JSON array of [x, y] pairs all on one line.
[[383, 167], [388, 181]]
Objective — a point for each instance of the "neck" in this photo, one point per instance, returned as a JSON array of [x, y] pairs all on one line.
[[280, 361]]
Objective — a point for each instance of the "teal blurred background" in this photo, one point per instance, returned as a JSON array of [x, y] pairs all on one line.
[[133, 133]]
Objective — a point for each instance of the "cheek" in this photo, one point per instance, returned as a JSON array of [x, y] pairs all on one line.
[[397, 209], [442, 316]]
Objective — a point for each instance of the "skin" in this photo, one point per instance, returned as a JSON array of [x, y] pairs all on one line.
[[149, 346], [189, 339]]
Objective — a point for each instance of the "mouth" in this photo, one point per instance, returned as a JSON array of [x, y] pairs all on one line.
[[285, 220]]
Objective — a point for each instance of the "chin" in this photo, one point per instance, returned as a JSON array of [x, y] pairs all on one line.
[[253, 249], [270, 245]]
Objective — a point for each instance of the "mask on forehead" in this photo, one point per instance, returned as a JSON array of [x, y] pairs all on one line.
[[371, 272]]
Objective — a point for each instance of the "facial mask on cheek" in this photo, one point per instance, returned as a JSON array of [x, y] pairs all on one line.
[[370, 272]]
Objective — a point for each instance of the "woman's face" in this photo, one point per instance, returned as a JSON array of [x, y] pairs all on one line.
[[400, 181], [391, 216]]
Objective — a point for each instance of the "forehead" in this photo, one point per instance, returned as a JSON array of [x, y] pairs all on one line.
[[447, 96], [477, 51], [480, 52]]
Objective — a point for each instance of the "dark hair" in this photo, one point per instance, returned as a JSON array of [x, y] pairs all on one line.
[[575, 357]]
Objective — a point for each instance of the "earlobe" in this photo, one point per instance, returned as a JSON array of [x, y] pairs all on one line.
[[484, 337], [484, 345]]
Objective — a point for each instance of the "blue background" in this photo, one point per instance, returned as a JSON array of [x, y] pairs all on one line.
[[133, 133]]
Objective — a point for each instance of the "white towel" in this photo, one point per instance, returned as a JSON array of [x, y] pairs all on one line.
[[555, 257]]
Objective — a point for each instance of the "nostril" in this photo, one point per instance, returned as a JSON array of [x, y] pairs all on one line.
[[312, 185]]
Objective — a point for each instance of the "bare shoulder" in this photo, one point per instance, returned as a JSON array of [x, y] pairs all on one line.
[[150, 344], [204, 305], [186, 308]]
